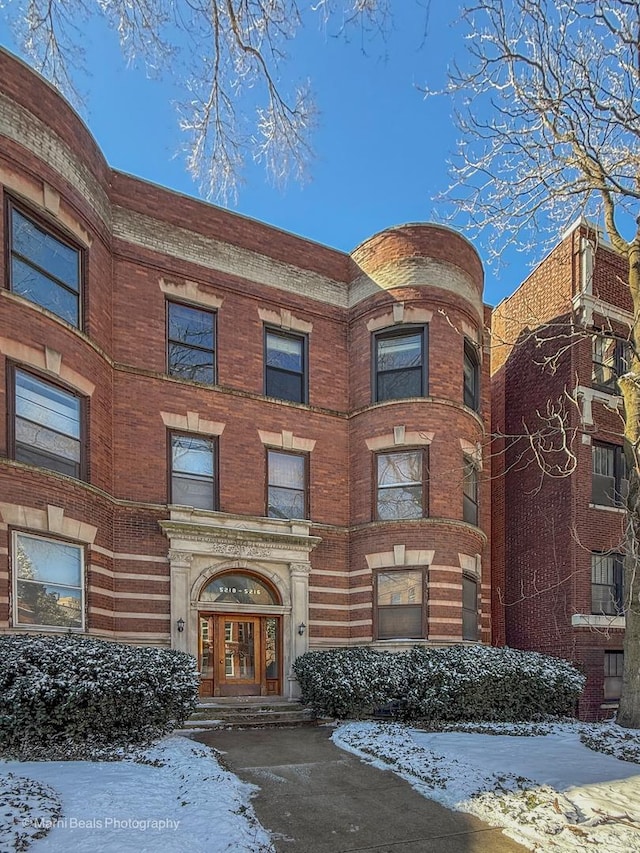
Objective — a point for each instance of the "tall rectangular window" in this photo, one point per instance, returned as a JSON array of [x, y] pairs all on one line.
[[191, 347], [613, 671], [400, 364], [45, 268], [471, 376], [607, 584], [193, 471], [285, 366], [401, 485], [47, 425], [469, 608], [470, 491], [399, 600], [610, 359], [48, 582], [287, 490], [609, 478]]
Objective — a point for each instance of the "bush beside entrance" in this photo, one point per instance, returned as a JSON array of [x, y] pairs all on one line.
[[69, 697], [475, 683]]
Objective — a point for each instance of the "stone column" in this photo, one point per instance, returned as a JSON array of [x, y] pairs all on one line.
[[180, 569], [299, 643]]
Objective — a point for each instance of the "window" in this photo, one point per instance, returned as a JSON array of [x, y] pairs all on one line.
[[470, 491], [610, 356], [47, 425], [609, 479], [286, 485], [285, 366], [401, 485], [44, 268], [606, 584], [400, 364], [239, 588], [613, 667], [469, 608], [193, 471], [191, 343], [399, 599], [48, 582], [471, 376]]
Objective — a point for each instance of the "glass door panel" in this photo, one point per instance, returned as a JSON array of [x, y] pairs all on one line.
[[206, 655], [239, 650], [238, 659]]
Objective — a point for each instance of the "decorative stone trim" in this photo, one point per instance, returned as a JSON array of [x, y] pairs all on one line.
[[613, 402], [51, 521], [128, 576], [49, 361], [400, 314], [134, 558], [585, 306], [400, 556], [285, 319], [117, 614], [50, 198], [286, 440], [398, 438], [192, 422], [619, 510], [45, 197], [471, 332], [190, 291], [471, 564], [220, 255], [580, 620], [473, 452]]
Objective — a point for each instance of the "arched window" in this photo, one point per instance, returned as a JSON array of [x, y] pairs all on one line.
[[239, 588]]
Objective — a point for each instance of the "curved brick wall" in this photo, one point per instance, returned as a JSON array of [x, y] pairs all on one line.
[[143, 245]]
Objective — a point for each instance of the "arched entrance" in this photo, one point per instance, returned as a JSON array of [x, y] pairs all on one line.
[[239, 640]]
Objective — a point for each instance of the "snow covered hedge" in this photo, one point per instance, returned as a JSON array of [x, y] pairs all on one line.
[[442, 684], [71, 697]]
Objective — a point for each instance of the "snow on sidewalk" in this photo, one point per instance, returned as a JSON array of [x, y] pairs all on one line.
[[178, 799], [549, 792]]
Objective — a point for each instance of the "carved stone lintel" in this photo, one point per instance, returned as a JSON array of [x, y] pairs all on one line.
[[184, 557], [300, 569]]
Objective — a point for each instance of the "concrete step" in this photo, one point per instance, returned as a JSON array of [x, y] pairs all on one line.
[[253, 713]]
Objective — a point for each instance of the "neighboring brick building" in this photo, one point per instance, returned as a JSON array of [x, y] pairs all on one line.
[[557, 541], [222, 437]]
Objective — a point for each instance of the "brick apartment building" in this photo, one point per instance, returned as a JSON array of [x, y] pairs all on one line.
[[224, 438], [557, 541]]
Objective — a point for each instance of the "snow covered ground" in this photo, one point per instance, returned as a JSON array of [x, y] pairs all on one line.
[[549, 791], [542, 784], [178, 799]]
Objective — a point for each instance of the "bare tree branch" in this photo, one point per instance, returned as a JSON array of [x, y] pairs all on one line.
[[228, 55]]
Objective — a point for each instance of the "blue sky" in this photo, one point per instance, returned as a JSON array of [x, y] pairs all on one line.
[[381, 149]]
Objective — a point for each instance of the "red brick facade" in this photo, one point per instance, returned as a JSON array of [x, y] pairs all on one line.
[[146, 561], [547, 531]]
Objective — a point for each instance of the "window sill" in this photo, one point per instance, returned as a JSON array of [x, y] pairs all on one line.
[[618, 509], [45, 629], [579, 620], [612, 396]]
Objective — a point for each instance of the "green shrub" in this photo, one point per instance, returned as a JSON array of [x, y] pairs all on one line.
[[68, 697], [474, 683]]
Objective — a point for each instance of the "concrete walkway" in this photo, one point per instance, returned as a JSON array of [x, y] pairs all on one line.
[[316, 798]]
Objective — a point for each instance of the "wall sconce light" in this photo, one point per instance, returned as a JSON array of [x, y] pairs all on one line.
[[180, 624], [302, 628]]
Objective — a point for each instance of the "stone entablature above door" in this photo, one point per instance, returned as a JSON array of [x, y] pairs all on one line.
[[204, 544]]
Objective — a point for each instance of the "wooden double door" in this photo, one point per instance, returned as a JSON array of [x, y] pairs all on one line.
[[239, 654]]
